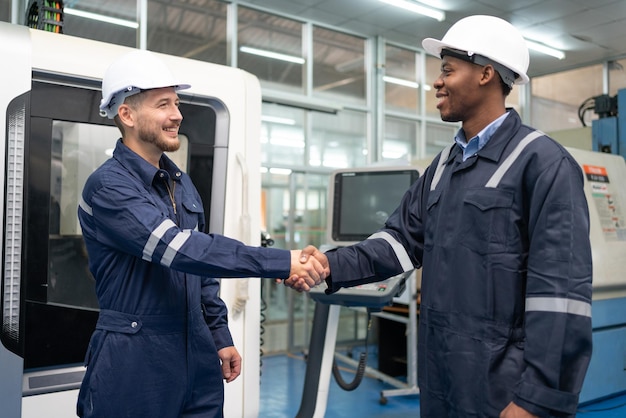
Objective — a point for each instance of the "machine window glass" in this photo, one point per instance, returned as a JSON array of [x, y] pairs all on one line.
[[5, 10], [77, 150]]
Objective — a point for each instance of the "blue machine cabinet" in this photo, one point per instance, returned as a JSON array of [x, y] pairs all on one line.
[[606, 376], [608, 134]]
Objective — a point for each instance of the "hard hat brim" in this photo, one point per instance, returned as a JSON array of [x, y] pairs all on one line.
[[105, 102], [434, 46]]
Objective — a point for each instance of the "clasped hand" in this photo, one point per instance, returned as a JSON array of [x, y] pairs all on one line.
[[306, 271]]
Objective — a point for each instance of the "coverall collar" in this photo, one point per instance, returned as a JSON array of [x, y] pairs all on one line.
[[140, 167], [495, 147]]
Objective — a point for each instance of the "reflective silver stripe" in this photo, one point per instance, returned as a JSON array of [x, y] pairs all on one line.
[[84, 206], [398, 249], [172, 249], [508, 162], [441, 166], [155, 236], [562, 305]]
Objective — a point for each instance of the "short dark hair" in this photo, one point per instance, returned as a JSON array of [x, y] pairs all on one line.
[[133, 101]]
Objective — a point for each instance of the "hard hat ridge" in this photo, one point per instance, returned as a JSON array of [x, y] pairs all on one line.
[[130, 74], [486, 36]]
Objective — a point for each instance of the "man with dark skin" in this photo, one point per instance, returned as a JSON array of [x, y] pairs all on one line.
[[499, 225]]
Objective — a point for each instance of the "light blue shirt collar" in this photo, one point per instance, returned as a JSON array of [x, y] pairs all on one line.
[[476, 143]]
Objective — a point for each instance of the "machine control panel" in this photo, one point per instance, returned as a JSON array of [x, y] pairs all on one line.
[[375, 295]]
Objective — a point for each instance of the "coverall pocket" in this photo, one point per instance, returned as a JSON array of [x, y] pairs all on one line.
[[485, 223], [194, 209]]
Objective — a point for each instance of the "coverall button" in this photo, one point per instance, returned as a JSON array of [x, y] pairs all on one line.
[[133, 324]]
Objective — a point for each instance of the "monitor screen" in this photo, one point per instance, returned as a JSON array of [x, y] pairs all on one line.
[[362, 199]]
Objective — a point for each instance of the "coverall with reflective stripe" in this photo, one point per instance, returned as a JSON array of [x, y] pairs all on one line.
[[154, 350], [505, 309]]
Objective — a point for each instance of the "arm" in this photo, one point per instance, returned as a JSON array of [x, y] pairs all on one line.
[[216, 317], [215, 313], [123, 216], [558, 292], [394, 249]]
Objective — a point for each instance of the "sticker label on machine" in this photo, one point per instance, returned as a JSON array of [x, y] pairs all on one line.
[[604, 196]]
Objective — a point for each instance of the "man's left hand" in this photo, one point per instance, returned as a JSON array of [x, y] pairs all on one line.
[[231, 363], [514, 411]]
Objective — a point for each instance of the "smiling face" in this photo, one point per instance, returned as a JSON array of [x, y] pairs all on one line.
[[457, 89], [158, 119]]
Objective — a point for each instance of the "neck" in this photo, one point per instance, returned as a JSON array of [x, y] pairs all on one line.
[[147, 151], [473, 126]]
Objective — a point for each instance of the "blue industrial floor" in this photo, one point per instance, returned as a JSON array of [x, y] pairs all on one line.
[[282, 382]]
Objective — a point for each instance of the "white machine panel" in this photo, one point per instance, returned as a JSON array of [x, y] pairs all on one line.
[[605, 188]]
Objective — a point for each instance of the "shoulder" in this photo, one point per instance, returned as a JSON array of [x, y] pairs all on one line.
[[545, 154], [110, 176]]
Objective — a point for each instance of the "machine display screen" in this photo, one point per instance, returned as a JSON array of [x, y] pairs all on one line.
[[362, 200]]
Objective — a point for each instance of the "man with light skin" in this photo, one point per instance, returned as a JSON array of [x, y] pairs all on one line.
[[161, 347]]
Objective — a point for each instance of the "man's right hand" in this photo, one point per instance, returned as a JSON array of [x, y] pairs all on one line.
[[318, 258], [306, 272]]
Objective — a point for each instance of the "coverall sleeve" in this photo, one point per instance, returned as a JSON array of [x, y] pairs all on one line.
[[215, 313], [127, 218], [395, 248], [558, 294]]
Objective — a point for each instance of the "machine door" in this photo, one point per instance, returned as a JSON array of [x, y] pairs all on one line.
[[65, 141]]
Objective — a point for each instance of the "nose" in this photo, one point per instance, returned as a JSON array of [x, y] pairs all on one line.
[[176, 115], [438, 83]]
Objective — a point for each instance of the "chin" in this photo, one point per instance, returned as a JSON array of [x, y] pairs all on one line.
[[170, 145]]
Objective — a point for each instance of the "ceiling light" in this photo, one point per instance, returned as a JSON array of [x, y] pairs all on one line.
[[275, 119], [280, 171], [401, 82], [101, 18], [270, 54], [418, 8], [545, 49]]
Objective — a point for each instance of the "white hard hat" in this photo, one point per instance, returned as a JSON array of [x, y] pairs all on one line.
[[490, 37], [135, 71]]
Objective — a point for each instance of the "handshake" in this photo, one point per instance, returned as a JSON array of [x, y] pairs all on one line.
[[309, 267]]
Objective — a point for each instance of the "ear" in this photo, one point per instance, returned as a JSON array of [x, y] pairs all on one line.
[[126, 115], [488, 73]]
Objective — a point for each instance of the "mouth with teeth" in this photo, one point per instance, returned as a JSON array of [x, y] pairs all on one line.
[[173, 131]]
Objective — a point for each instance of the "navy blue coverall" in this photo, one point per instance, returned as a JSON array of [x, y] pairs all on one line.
[[154, 350], [503, 241]]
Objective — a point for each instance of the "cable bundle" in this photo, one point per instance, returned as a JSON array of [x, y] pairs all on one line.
[[45, 15]]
